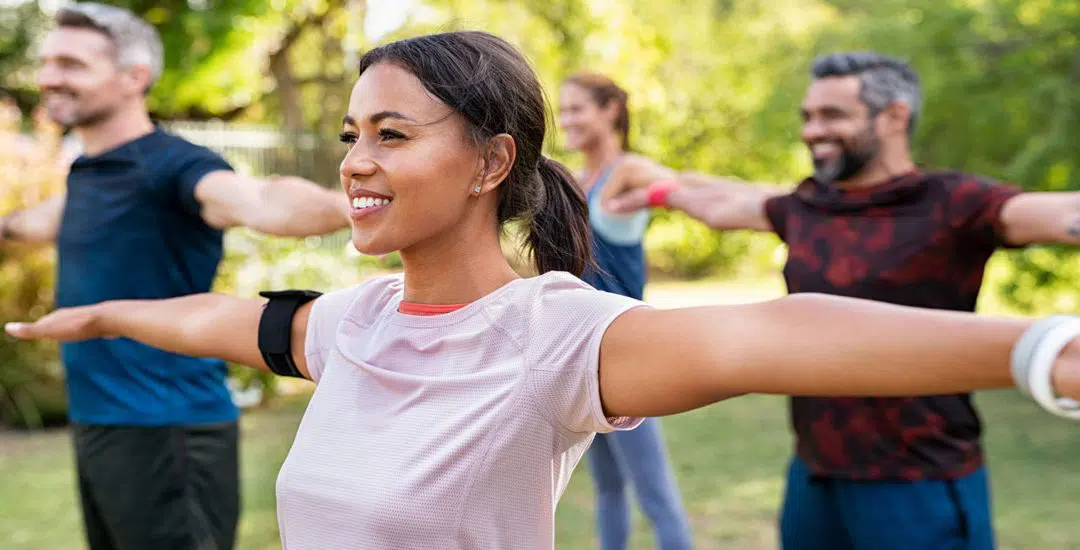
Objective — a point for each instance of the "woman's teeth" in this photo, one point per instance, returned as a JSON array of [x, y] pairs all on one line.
[[368, 202]]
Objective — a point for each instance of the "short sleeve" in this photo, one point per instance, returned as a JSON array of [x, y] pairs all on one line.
[[776, 209], [191, 166], [327, 312], [566, 328], [975, 210]]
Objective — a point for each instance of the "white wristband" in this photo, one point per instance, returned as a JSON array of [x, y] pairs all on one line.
[[1025, 347], [1041, 366]]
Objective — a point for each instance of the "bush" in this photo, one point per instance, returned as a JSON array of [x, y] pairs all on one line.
[[1039, 280], [31, 379], [681, 247]]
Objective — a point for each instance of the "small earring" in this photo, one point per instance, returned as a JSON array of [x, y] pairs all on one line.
[[477, 190]]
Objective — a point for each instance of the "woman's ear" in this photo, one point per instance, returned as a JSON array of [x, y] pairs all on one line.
[[496, 161]]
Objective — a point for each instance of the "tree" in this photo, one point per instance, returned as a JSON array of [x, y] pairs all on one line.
[[218, 54]]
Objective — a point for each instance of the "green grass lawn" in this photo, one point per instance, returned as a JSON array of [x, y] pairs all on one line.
[[729, 458]]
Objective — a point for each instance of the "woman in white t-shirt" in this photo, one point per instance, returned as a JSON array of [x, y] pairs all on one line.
[[454, 401]]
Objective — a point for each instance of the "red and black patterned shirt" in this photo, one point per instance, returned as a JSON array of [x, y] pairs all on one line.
[[923, 240]]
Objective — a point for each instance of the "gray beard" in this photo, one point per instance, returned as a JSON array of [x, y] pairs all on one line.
[[851, 161]]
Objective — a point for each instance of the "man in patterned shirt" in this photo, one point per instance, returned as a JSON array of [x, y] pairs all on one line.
[[875, 473]]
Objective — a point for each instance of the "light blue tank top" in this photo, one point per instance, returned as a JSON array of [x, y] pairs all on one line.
[[617, 246]]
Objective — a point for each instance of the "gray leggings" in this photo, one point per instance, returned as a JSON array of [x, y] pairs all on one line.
[[637, 456]]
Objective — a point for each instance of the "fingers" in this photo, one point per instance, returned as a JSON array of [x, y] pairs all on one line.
[[628, 202], [60, 325], [22, 331]]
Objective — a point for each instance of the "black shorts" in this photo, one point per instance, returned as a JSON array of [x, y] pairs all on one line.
[[160, 488]]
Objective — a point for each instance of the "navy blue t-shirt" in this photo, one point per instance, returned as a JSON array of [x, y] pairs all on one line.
[[621, 268], [132, 229]]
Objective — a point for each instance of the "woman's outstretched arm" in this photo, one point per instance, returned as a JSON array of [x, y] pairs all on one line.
[[660, 362], [200, 325]]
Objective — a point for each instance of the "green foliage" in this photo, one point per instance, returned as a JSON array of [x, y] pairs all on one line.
[[280, 61], [203, 43], [19, 25], [1038, 280], [682, 247]]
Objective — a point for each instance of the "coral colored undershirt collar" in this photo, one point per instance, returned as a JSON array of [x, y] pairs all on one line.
[[410, 308]]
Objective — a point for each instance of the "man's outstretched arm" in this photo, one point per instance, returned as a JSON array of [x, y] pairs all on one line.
[[720, 203], [1047, 217], [282, 206], [37, 225]]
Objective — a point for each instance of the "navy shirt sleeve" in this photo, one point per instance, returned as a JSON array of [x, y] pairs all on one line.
[[976, 210], [192, 164]]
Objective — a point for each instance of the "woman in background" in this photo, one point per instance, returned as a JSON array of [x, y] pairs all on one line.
[[594, 117]]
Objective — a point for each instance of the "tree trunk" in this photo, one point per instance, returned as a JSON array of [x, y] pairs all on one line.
[[287, 90]]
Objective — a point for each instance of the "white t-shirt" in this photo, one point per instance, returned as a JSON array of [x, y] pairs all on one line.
[[453, 431]]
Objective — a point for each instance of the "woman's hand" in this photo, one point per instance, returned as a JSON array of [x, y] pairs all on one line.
[[63, 325], [629, 179], [199, 325]]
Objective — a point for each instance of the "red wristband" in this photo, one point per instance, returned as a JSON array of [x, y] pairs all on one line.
[[658, 192]]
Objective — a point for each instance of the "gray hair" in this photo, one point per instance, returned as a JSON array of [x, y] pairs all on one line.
[[135, 42], [884, 80]]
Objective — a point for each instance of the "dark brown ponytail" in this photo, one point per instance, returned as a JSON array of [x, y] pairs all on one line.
[[559, 237]]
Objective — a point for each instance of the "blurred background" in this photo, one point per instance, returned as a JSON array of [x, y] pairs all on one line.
[[714, 86]]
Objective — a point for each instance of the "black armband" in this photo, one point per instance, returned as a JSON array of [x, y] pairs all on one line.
[[275, 329]]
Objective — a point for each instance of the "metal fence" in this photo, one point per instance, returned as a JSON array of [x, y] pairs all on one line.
[[262, 151]]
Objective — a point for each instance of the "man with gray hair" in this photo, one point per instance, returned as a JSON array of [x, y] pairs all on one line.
[[155, 434], [874, 473]]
